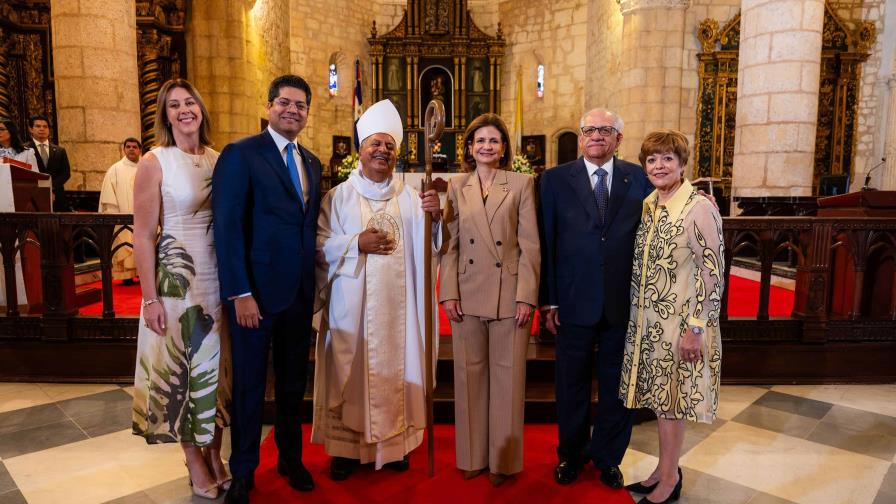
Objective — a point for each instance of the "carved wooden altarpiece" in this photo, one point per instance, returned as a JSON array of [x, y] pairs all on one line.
[[437, 52], [26, 64], [843, 51], [161, 54]]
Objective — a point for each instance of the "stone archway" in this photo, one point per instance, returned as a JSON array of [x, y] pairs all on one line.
[[564, 147]]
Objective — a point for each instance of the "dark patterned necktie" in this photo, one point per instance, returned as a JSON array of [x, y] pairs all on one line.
[[601, 195]]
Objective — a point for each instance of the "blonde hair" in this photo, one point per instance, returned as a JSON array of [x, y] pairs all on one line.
[[164, 136]]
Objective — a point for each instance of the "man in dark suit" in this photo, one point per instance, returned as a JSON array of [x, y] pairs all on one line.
[[590, 211], [265, 197], [51, 159]]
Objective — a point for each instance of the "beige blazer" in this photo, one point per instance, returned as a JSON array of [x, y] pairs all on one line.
[[493, 258]]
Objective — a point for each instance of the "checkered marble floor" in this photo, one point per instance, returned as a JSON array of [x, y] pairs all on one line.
[[813, 444]]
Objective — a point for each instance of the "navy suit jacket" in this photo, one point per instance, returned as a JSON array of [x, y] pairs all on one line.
[[587, 268], [264, 240]]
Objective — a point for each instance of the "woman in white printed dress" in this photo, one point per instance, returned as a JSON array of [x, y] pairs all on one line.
[[181, 382]]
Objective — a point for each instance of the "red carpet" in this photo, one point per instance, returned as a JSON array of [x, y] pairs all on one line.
[[743, 301], [125, 299], [534, 484]]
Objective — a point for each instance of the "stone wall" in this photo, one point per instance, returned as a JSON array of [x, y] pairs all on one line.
[[95, 64], [651, 67], [603, 53], [552, 33], [315, 37], [233, 53], [643, 65]]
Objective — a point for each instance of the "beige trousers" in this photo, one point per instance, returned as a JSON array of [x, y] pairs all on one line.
[[489, 393]]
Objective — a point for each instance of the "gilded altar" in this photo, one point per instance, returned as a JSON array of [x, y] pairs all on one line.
[[436, 52]]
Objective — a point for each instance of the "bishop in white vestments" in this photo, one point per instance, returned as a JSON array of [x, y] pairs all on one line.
[[369, 403], [117, 196]]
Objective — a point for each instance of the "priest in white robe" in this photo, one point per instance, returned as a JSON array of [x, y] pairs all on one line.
[[117, 196], [369, 403]]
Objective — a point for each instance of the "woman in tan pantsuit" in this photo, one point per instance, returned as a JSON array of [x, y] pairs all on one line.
[[489, 288]]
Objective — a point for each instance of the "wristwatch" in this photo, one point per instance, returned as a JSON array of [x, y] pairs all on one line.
[[148, 302], [697, 331]]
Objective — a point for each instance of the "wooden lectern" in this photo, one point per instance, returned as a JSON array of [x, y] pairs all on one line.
[[28, 191], [859, 204], [861, 286]]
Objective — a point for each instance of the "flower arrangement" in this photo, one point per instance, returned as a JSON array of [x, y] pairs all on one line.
[[521, 165], [346, 166]]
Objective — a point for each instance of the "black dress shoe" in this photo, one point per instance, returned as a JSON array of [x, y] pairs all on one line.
[[299, 478], [676, 493], [611, 476], [644, 489], [566, 472], [341, 468], [239, 490], [399, 465]]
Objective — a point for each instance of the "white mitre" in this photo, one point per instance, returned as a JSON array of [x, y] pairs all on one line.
[[381, 117]]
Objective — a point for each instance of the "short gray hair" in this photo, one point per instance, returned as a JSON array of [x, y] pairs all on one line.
[[618, 123]]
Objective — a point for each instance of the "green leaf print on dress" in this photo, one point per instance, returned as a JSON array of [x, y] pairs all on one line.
[[174, 270], [195, 325], [176, 412]]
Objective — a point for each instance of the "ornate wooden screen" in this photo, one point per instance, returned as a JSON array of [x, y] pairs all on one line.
[[161, 54], [26, 64], [842, 53], [717, 100], [437, 52]]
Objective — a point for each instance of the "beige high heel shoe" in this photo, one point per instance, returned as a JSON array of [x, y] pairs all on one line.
[[223, 482], [206, 493]]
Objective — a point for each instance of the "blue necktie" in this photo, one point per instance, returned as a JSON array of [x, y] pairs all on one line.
[[601, 195], [294, 172]]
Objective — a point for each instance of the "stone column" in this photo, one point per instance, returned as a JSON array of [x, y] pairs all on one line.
[[234, 49], [888, 178], [777, 97], [97, 93], [651, 69]]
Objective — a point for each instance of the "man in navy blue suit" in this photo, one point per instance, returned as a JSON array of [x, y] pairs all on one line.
[[590, 211], [265, 197]]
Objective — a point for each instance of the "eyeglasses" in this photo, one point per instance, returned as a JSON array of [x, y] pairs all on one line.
[[603, 130], [285, 104]]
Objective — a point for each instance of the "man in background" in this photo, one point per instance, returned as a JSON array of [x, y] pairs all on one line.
[[117, 196], [51, 159]]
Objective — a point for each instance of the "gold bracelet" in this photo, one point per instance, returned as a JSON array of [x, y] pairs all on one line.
[[148, 302]]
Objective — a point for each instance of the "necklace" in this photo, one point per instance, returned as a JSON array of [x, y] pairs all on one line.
[[486, 185], [195, 159]]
